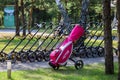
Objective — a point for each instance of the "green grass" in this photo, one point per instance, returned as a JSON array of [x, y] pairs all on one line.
[[89, 72], [115, 43], [11, 46], [114, 32]]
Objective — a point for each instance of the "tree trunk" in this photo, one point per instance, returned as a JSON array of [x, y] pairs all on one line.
[[30, 20], [109, 66], [118, 17], [16, 18], [23, 19], [30, 17]]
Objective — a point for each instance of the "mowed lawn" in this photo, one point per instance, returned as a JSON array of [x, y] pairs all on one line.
[[89, 72]]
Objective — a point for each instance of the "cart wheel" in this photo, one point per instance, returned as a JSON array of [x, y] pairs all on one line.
[[79, 64], [101, 51], [23, 57], [53, 66], [82, 53], [47, 56], [31, 57], [18, 56], [2, 58], [89, 53], [95, 52], [11, 57], [39, 56]]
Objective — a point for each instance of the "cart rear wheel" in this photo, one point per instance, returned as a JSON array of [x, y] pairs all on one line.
[[3, 57], [47, 56], [79, 64], [95, 52], [101, 51], [82, 53], [31, 57], [23, 57], [89, 53], [12, 57], [39, 56]]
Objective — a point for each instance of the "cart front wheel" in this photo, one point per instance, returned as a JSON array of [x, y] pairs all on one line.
[[79, 64], [53, 66]]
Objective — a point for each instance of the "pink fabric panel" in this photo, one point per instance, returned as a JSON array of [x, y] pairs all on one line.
[[76, 33]]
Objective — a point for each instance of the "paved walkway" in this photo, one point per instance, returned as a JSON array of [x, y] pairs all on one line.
[[4, 33], [9, 33], [36, 65]]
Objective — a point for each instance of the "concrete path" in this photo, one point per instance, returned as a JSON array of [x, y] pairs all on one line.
[[36, 65]]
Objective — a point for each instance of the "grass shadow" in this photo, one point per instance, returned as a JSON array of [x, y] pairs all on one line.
[[94, 72]]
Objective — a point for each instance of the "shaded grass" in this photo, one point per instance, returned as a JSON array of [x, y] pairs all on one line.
[[89, 72]]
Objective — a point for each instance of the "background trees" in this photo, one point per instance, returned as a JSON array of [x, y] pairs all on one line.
[[48, 11]]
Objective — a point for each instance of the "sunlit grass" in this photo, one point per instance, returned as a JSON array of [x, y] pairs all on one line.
[[101, 32], [46, 44], [89, 72]]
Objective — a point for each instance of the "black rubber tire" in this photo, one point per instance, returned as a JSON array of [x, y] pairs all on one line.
[[39, 56], [18, 56], [79, 64], [47, 56], [101, 51], [12, 57], [53, 66], [82, 53], [31, 57], [23, 57], [95, 52], [3, 57], [89, 53]]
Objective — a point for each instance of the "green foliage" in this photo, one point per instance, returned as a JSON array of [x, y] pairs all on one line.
[[50, 11]]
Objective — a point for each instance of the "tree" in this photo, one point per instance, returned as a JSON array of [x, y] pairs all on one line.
[[118, 17], [109, 66], [16, 18], [23, 19]]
